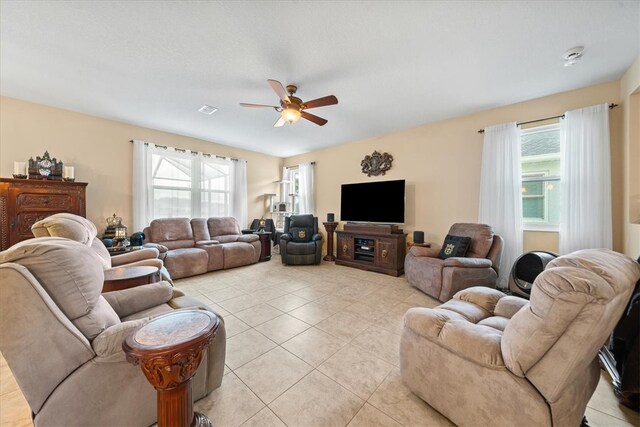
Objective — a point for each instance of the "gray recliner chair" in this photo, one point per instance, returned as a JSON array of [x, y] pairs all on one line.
[[301, 243], [62, 339], [484, 358]]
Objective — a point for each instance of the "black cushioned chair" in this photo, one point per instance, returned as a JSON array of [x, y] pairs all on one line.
[[268, 226], [301, 243]]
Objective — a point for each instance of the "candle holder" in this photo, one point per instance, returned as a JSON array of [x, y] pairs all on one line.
[[19, 176], [68, 179]]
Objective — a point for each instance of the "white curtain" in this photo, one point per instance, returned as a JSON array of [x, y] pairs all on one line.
[[305, 176], [239, 192], [286, 185], [142, 186], [500, 196], [585, 213]]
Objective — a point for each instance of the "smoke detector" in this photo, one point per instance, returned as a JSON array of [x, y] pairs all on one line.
[[207, 109], [572, 56]]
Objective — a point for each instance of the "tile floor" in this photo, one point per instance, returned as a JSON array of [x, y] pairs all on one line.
[[312, 346]]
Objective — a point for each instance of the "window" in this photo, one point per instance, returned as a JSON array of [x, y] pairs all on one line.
[[186, 185], [294, 177], [540, 157]]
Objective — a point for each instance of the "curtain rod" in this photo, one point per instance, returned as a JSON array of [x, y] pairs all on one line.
[[182, 150], [296, 166], [611, 106]]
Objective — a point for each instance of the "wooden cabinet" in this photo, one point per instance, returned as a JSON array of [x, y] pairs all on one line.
[[26, 201], [383, 253]]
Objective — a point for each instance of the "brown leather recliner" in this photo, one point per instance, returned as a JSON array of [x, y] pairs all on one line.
[[62, 339], [484, 358], [442, 278]]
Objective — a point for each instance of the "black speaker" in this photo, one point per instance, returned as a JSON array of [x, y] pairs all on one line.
[[331, 217], [418, 237]]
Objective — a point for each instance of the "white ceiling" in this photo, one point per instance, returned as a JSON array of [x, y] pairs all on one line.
[[392, 64]]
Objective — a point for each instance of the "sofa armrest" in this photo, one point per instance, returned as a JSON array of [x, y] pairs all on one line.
[[133, 300], [285, 236], [467, 262], [133, 256], [206, 242], [156, 262], [482, 296], [420, 251], [509, 305], [477, 343], [109, 342], [248, 238], [248, 231], [316, 237], [161, 248]]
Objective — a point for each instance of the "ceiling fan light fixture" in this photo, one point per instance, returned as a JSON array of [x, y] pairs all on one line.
[[291, 114]]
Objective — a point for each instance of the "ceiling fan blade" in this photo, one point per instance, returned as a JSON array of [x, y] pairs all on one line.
[[315, 119], [320, 102], [281, 121], [279, 90], [243, 104]]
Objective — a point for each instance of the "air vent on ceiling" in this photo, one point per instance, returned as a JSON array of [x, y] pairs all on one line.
[[572, 56], [207, 109]]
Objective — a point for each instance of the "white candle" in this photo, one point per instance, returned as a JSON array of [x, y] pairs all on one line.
[[69, 172], [19, 168]]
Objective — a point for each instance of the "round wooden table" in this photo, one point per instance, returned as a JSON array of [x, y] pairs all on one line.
[[169, 349], [118, 278]]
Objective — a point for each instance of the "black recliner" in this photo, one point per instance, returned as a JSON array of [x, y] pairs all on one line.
[[301, 244]]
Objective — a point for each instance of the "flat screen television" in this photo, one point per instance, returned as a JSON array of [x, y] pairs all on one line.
[[379, 202]]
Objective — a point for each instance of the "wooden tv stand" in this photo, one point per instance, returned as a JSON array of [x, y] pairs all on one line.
[[372, 247]]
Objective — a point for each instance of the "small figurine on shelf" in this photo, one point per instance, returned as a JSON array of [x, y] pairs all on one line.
[[261, 224], [45, 168]]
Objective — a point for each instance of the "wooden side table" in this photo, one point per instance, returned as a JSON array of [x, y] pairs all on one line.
[[330, 227], [265, 243], [116, 279], [421, 245], [169, 349]]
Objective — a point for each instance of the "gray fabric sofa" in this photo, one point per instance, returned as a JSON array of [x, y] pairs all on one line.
[[484, 358], [195, 246], [62, 338]]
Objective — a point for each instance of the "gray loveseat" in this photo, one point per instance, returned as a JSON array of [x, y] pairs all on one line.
[[195, 246]]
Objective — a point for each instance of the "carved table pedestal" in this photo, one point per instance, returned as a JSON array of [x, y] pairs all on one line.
[[330, 227], [169, 349]]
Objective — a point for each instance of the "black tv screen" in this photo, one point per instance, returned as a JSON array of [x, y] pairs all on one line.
[[381, 202]]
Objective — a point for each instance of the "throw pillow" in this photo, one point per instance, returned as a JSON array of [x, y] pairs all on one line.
[[454, 246], [300, 234]]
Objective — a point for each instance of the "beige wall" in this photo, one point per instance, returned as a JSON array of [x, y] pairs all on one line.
[[630, 96], [102, 154], [441, 164]]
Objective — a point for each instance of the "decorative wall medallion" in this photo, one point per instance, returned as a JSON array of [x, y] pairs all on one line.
[[376, 164]]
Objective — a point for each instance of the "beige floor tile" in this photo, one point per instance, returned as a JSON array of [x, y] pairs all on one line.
[[336, 303], [246, 346], [212, 286], [251, 286], [224, 294], [240, 303], [258, 314], [604, 401], [231, 404], [422, 300], [14, 410], [316, 401], [269, 294], [288, 302], [384, 344], [311, 313], [264, 418], [357, 370], [234, 326], [311, 293], [600, 419], [292, 285], [344, 326], [396, 401], [314, 346], [364, 311], [282, 328], [369, 416], [273, 373]]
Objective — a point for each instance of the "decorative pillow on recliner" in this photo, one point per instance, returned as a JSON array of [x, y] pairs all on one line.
[[454, 246], [300, 234]]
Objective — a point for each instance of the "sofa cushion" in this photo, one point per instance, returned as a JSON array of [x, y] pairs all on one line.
[[222, 226], [237, 254], [66, 225], [174, 233], [200, 229], [183, 262], [481, 237], [301, 248], [454, 246]]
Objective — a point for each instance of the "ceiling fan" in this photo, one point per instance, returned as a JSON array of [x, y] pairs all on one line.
[[292, 108]]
